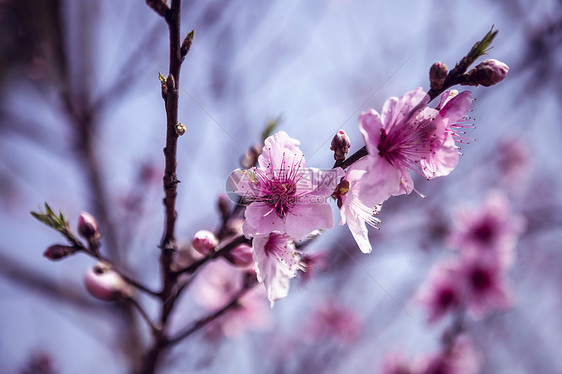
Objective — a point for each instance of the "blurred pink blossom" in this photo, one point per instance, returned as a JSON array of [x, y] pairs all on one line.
[[514, 163], [395, 363], [332, 320], [312, 264], [461, 358], [486, 286], [218, 284], [443, 291], [491, 231]]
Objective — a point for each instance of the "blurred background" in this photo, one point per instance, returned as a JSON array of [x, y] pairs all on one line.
[[82, 128]]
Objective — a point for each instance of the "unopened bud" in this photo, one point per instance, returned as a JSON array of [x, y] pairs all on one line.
[[223, 205], [488, 72], [58, 251], [250, 158], [437, 74], [88, 226], [340, 145], [204, 242], [105, 284], [240, 256]]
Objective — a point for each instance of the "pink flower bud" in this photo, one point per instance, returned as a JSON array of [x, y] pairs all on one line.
[[489, 72], [241, 256], [58, 251], [437, 74], [204, 242], [340, 145], [88, 226], [105, 284]]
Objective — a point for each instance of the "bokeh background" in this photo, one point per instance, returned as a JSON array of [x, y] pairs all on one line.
[[82, 127]]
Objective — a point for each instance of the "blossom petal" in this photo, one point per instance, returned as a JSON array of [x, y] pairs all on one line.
[[397, 111], [280, 152], [359, 231], [301, 221], [381, 181], [456, 108], [443, 159], [370, 125], [274, 267]]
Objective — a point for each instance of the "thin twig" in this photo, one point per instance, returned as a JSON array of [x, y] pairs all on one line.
[[154, 329], [197, 325]]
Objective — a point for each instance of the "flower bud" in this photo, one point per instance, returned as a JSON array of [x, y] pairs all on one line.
[[240, 256], [204, 242], [88, 226], [58, 251], [437, 74], [340, 145], [105, 284], [250, 158], [223, 205], [488, 72]]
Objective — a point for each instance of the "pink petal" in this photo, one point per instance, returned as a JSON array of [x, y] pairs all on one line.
[[280, 152], [370, 125]]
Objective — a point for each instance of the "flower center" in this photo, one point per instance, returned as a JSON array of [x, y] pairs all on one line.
[[281, 196], [484, 232], [480, 280], [405, 144]]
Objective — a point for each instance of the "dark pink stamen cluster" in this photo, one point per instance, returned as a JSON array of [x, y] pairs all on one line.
[[278, 188]]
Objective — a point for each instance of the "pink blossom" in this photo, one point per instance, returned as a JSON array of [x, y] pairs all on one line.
[[460, 359], [241, 256], [333, 320], [443, 291], [514, 163], [353, 210], [490, 231], [311, 264], [396, 141], [443, 156], [285, 196], [395, 363], [486, 287], [218, 284], [275, 261]]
